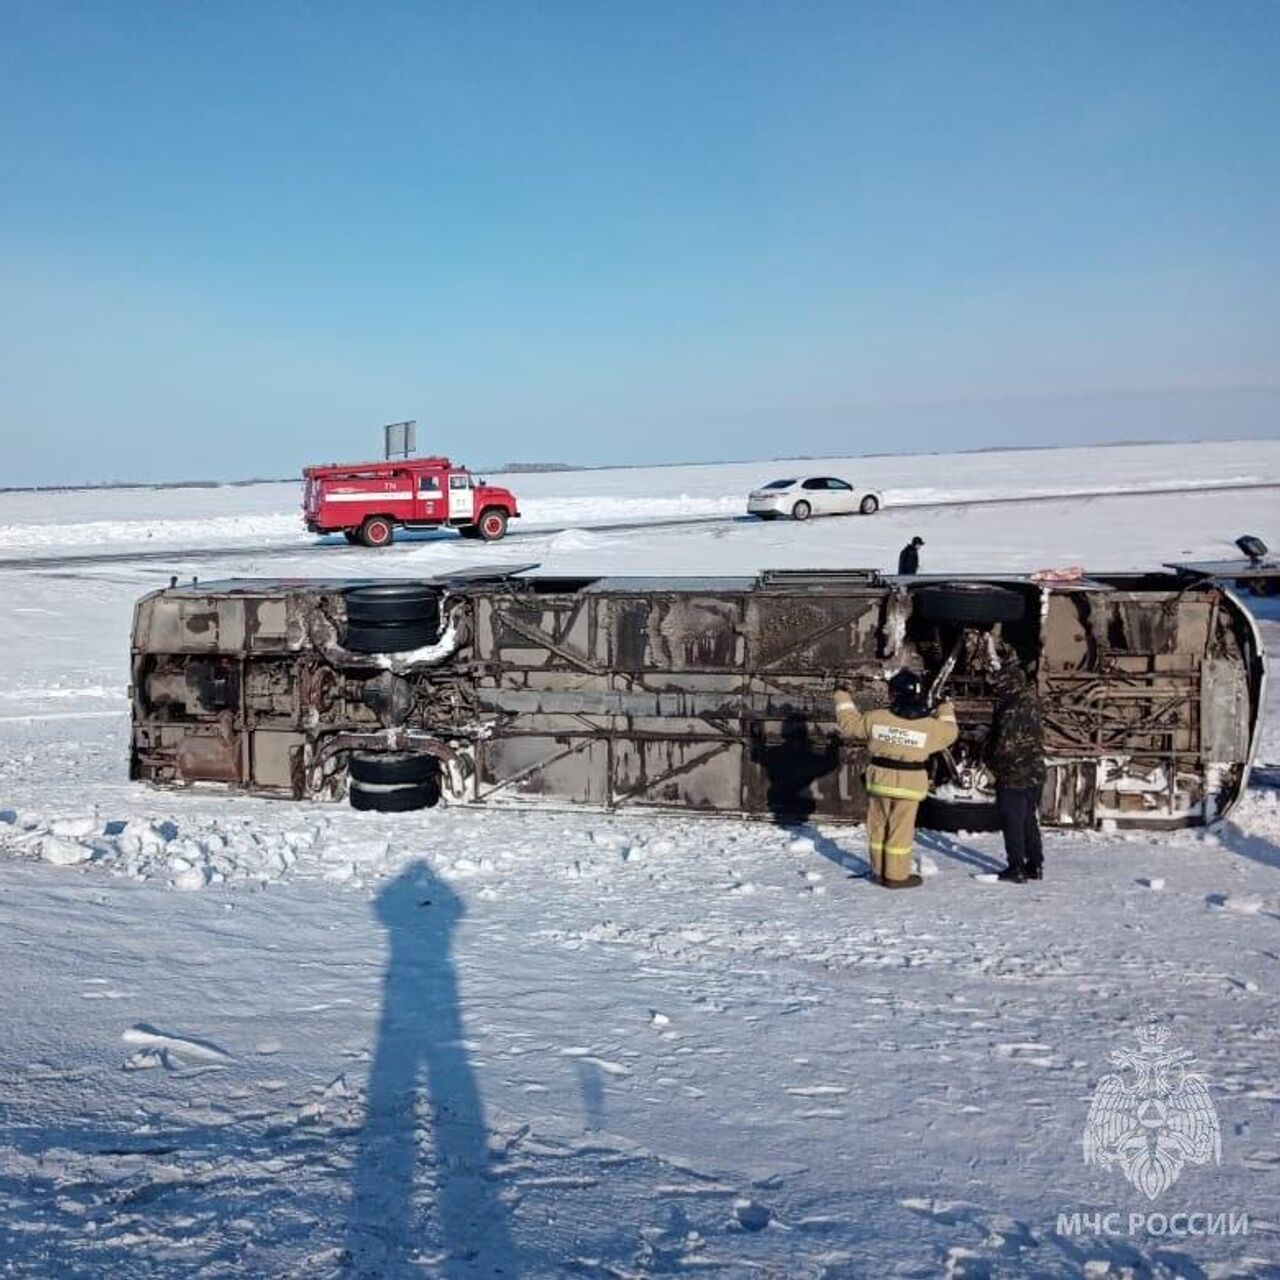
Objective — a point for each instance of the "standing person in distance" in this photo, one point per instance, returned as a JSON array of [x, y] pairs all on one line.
[[1016, 756], [909, 557]]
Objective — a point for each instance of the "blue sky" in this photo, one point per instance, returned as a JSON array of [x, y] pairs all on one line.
[[235, 238]]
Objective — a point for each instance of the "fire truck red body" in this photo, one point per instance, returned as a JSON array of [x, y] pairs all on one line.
[[367, 500]]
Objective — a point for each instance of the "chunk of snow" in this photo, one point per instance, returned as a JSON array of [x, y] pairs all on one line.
[[64, 853], [75, 828], [147, 1037], [1245, 904], [191, 878]]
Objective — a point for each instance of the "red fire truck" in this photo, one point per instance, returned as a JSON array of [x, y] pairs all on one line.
[[367, 500]]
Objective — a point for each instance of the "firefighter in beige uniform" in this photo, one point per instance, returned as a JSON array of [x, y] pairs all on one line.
[[900, 738]]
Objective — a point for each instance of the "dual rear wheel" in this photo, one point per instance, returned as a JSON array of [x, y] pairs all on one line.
[[391, 617], [393, 781]]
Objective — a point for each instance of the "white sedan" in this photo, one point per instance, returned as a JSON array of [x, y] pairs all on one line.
[[811, 496]]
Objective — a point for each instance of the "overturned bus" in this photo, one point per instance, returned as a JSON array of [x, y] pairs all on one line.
[[697, 694]]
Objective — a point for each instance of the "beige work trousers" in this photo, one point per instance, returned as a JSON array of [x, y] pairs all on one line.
[[891, 828]]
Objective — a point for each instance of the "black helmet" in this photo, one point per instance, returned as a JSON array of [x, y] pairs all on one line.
[[904, 686]]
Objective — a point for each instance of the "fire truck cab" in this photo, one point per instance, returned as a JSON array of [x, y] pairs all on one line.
[[366, 501]]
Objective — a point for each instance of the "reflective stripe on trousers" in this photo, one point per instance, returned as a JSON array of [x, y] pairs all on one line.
[[894, 793], [891, 824]]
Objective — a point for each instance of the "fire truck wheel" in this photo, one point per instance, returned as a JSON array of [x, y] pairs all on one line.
[[376, 532], [801, 511], [393, 602], [968, 602], [493, 524], [391, 637], [395, 799], [393, 768]]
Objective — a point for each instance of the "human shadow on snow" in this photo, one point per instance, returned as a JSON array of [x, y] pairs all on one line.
[[949, 847], [421, 1046], [792, 765]]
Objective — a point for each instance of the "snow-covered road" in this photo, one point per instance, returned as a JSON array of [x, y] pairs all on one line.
[[472, 1043], [258, 517]]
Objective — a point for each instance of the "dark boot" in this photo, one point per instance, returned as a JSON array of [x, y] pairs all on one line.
[[1036, 872], [1011, 875], [907, 882]]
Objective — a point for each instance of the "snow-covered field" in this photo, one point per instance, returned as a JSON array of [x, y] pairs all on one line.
[[135, 519], [246, 1038]]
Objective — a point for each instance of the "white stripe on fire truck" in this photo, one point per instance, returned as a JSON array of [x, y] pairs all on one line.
[[366, 497]]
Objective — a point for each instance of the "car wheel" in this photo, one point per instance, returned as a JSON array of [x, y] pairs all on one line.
[[379, 799], [393, 768], [968, 602], [376, 532], [869, 505], [957, 815], [801, 511], [493, 524]]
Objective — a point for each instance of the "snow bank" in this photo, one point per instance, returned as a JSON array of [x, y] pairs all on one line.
[[191, 851], [186, 858], [106, 534]]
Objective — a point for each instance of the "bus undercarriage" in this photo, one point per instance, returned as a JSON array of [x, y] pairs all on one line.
[[699, 694]]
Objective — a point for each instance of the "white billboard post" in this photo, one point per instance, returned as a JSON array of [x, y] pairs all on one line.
[[399, 439]]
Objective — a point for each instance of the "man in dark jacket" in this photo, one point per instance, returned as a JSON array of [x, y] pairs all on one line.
[[909, 557], [1016, 756]]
